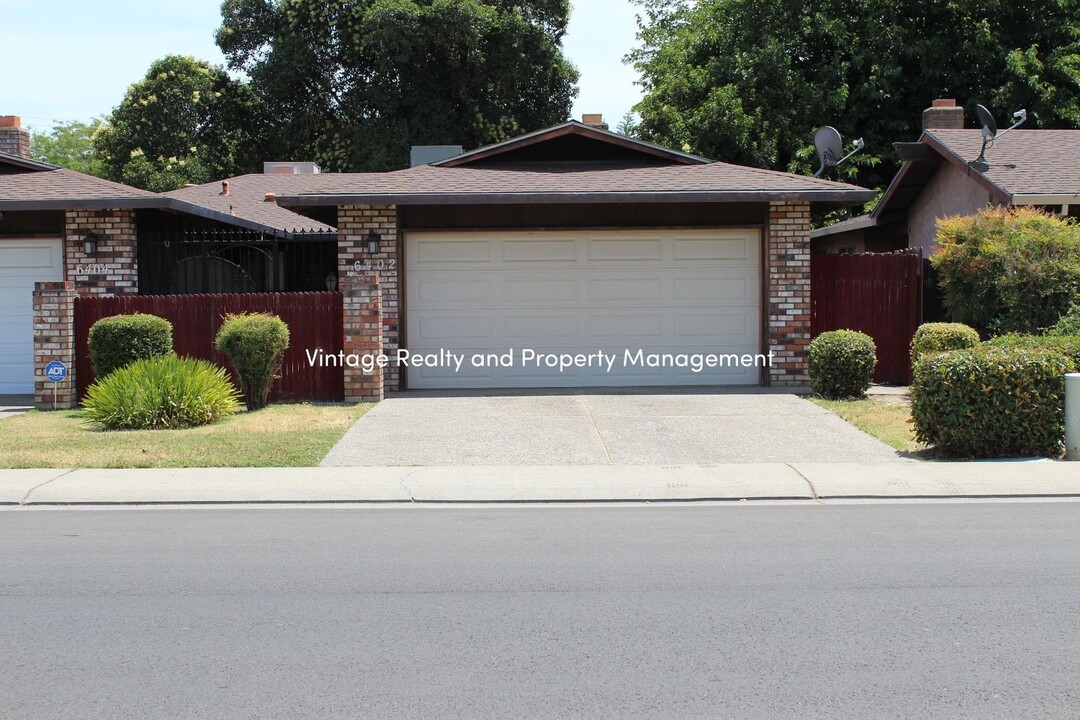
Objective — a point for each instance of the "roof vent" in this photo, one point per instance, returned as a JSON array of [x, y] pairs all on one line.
[[269, 197], [225, 187], [290, 168], [427, 154]]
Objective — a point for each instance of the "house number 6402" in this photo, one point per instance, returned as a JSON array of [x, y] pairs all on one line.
[[367, 265]]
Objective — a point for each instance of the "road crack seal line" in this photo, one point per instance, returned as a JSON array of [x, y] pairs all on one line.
[[813, 490], [607, 453], [26, 498]]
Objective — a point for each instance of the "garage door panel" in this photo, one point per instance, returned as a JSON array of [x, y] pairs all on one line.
[[664, 291], [441, 250], [620, 249], [455, 329], [541, 289], [534, 250], [469, 290], [730, 249]]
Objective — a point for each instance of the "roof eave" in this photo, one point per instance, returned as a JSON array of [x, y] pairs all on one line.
[[85, 204], [836, 196], [946, 152], [1046, 198]]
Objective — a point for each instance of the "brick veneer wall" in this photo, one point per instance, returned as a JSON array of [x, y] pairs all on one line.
[[54, 339], [354, 223], [363, 336], [116, 250], [788, 292]]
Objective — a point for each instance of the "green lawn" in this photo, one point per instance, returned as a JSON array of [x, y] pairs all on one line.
[[278, 436], [889, 422]]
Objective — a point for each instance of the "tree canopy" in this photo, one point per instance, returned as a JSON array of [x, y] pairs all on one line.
[[70, 145], [748, 81], [185, 122], [352, 84]]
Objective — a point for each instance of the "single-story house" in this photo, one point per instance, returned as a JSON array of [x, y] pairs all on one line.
[[570, 240], [942, 176]]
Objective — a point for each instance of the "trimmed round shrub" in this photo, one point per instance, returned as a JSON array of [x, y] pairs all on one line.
[[120, 340], [1068, 323], [842, 364], [255, 344], [939, 337], [991, 401], [160, 394], [1067, 345]]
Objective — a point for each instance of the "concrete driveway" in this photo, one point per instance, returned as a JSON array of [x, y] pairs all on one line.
[[12, 405], [618, 427]]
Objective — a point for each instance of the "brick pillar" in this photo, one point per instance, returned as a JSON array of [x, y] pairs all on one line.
[[54, 339], [113, 269], [363, 323], [355, 223], [788, 292]]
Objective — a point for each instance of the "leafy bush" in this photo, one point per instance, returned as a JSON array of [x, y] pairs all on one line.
[[991, 401], [256, 344], [161, 393], [939, 337], [1008, 270], [1067, 345], [842, 364], [1069, 323], [120, 340]]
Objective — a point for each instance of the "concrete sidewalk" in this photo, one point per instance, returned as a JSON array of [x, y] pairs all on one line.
[[510, 484]]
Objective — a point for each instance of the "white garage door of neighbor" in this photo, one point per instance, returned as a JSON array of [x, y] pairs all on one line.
[[22, 263], [663, 291]]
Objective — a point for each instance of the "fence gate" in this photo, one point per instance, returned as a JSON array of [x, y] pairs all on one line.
[[314, 320], [879, 294]]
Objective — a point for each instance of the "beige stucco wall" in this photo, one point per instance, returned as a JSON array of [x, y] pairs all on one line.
[[950, 192]]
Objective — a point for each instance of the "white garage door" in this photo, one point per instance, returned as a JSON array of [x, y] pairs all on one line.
[[664, 292], [22, 263]]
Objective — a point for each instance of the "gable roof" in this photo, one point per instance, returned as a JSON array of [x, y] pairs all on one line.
[[63, 189], [1025, 167], [572, 128], [538, 183]]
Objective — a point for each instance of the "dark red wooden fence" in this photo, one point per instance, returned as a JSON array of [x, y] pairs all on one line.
[[879, 294], [314, 320]]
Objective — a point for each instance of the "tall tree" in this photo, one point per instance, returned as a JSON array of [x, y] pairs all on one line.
[[185, 122], [352, 84], [748, 80], [69, 144]]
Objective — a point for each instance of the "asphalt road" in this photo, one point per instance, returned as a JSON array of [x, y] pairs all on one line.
[[862, 611]]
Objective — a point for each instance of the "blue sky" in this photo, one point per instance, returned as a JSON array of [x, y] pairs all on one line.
[[75, 58]]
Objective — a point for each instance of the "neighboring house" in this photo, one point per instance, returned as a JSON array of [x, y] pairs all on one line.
[[942, 177], [571, 239]]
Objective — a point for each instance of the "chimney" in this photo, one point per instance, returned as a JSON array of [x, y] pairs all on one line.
[[943, 114], [290, 168], [14, 139], [594, 119]]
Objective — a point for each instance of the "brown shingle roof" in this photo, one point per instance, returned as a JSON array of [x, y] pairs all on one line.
[[578, 182], [247, 199], [64, 189], [1024, 162]]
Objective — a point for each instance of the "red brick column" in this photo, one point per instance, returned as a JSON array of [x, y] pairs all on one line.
[[113, 269], [788, 292], [363, 336], [54, 339], [355, 223]]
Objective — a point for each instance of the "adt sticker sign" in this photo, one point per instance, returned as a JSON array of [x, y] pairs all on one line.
[[56, 371]]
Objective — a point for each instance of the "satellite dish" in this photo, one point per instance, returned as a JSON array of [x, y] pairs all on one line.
[[830, 148], [990, 129], [987, 121]]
